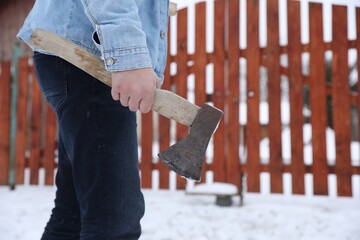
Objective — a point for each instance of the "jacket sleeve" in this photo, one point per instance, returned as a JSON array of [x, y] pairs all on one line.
[[118, 33]]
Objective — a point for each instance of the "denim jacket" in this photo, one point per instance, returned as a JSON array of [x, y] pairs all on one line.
[[126, 34]]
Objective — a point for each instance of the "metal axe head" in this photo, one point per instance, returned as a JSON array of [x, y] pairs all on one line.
[[186, 157]]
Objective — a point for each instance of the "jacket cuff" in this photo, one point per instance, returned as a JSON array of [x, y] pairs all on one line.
[[127, 59], [123, 58]]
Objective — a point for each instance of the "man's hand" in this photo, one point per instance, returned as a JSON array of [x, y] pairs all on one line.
[[135, 89]]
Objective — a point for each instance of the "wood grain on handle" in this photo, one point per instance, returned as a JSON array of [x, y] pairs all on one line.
[[172, 9], [166, 103]]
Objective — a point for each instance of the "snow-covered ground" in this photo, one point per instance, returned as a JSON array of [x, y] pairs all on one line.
[[172, 215]]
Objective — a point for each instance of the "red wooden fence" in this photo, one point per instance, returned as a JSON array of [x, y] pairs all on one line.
[[36, 128]]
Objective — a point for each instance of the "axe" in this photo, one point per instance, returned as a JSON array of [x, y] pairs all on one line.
[[184, 157]]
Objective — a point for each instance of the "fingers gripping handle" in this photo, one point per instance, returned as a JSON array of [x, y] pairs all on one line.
[[166, 103]]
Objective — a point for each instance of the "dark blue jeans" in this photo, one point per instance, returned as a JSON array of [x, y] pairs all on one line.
[[98, 193]]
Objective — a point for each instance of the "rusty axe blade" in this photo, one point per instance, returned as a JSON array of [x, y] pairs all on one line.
[[184, 157]]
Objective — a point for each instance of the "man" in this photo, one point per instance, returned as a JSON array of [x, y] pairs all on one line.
[[98, 188]]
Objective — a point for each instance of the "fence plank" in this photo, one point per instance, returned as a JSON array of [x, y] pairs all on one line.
[[200, 54], [253, 98], [296, 98], [317, 85], [341, 101], [164, 141], [146, 164], [49, 145], [5, 93], [181, 76], [21, 121], [164, 125], [35, 125], [219, 89], [233, 101], [274, 97], [200, 61]]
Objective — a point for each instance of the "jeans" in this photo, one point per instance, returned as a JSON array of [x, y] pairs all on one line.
[[98, 193]]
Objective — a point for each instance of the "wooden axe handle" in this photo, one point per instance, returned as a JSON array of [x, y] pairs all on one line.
[[166, 103]]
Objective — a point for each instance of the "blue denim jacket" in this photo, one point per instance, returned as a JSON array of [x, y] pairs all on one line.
[[126, 34]]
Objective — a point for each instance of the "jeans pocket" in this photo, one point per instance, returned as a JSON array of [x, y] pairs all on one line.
[[52, 78]]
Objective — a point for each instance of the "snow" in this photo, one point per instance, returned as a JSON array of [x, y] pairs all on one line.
[[173, 215], [215, 188]]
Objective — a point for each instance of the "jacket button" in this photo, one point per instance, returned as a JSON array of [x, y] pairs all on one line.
[[162, 34], [110, 61]]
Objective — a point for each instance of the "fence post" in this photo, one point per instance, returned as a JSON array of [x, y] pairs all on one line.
[[13, 115]]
